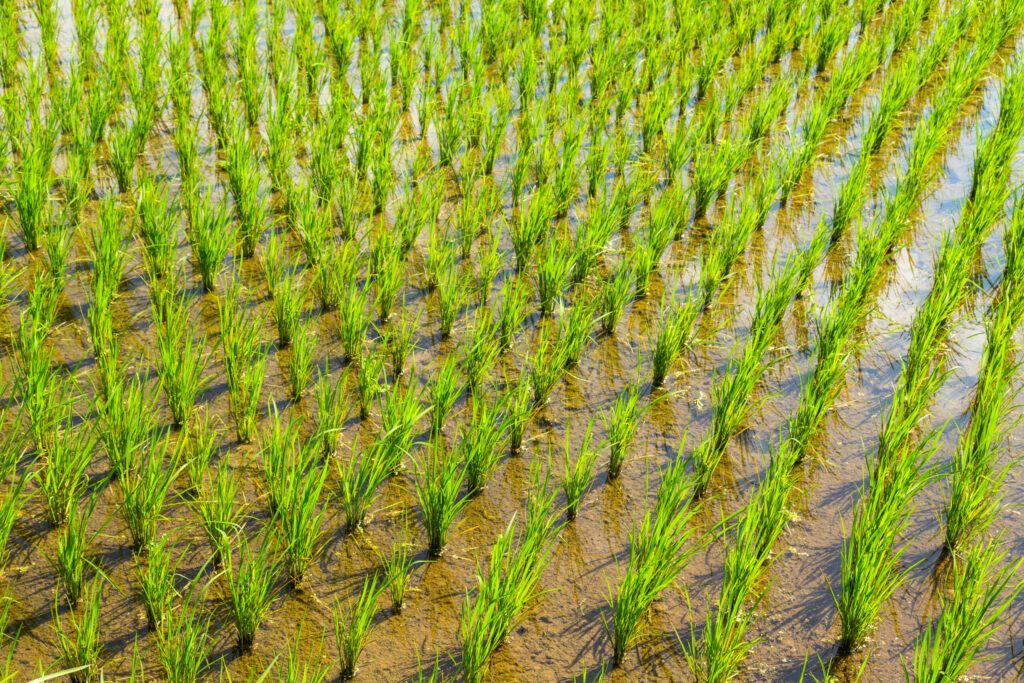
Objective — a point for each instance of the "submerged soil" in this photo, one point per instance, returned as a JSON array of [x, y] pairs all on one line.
[[564, 634]]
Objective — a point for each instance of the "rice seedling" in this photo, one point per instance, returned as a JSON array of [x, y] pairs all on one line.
[[399, 342], [300, 362], [444, 392], [388, 276], [126, 146], [660, 547], [368, 381], [156, 576], [353, 623], [518, 411], [554, 268], [57, 245], [183, 357], [672, 336], [218, 515], [67, 452], [579, 472], [244, 358], [125, 421], [358, 481], [70, 559], [439, 478], [10, 506], [302, 665], [513, 311], [451, 294], [574, 333], [397, 567], [106, 249], [480, 351], [529, 229], [251, 586], [311, 222], [105, 348], [480, 442], [401, 409], [546, 368], [184, 643], [614, 295], [199, 445], [353, 322], [210, 236], [145, 488], [157, 220], [297, 516], [245, 181], [332, 411], [289, 303], [31, 191], [983, 588], [80, 643], [510, 585], [621, 423]]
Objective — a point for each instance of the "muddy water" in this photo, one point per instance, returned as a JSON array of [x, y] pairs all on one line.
[[565, 632]]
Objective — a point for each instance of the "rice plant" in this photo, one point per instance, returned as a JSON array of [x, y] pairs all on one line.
[[125, 422], [298, 518], [510, 585], [444, 392], [553, 271], [245, 360], [210, 236], [289, 305], [184, 642], [31, 191], [332, 411], [480, 351], [614, 296], [358, 480], [368, 381], [621, 423], [983, 588], [251, 583], [300, 361], [660, 548], [183, 357], [156, 575], [71, 559], [79, 635], [579, 471], [513, 311], [398, 340], [397, 567], [353, 623], [304, 665], [61, 469], [10, 506], [199, 444], [439, 479], [219, 516], [353, 322], [480, 443], [145, 489]]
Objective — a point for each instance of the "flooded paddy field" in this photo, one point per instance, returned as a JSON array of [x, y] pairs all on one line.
[[511, 340]]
